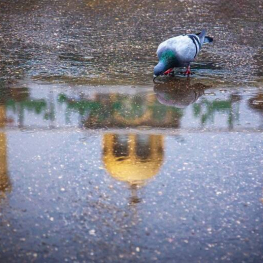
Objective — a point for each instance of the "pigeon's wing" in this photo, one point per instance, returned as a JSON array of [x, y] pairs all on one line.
[[184, 48], [161, 48], [169, 44]]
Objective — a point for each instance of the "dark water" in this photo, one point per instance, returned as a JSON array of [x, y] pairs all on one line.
[[100, 164]]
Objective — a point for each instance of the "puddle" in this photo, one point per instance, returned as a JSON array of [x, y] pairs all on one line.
[[164, 167], [100, 164]]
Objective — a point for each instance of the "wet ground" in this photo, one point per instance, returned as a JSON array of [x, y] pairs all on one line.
[[100, 164]]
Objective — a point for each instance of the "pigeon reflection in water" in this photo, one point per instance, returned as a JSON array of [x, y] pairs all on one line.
[[178, 93]]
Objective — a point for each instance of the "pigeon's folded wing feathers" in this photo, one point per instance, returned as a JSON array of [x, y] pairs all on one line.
[[185, 49], [182, 46]]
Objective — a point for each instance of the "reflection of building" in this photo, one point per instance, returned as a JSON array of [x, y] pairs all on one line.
[[133, 158], [19, 101], [206, 109], [122, 111], [117, 111]]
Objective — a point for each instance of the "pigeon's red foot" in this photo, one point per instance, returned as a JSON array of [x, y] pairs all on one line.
[[167, 72], [188, 71]]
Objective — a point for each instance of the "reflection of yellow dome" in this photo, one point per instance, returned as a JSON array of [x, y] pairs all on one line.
[[4, 180], [133, 158], [2, 116]]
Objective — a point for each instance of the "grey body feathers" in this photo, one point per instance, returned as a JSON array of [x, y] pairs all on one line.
[[179, 51]]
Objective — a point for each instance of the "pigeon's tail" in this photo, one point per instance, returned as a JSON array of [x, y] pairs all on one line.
[[203, 38], [208, 39]]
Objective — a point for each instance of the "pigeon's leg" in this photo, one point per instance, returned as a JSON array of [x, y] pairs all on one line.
[[167, 72], [188, 71]]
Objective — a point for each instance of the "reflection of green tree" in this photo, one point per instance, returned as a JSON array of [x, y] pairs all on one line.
[[81, 106], [137, 107], [160, 110], [132, 107], [50, 115], [206, 110], [129, 107], [36, 106], [18, 101], [95, 109]]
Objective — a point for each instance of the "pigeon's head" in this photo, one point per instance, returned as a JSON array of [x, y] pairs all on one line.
[[160, 68], [166, 61]]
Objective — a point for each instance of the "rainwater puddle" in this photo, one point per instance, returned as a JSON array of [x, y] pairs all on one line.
[[100, 164], [130, 172]]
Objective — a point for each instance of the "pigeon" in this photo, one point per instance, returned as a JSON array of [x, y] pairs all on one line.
[[179, 52]]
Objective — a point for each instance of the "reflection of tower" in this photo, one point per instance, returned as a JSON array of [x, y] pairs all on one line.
[[133, 158], [4, 180]]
